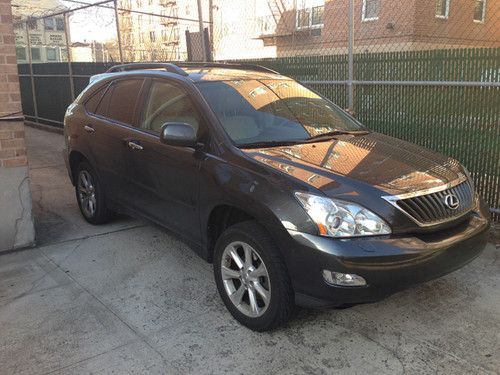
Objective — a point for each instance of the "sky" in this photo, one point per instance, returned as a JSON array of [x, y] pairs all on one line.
[[96, 23]]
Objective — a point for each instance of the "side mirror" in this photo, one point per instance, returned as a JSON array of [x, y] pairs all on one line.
[[178, 134]]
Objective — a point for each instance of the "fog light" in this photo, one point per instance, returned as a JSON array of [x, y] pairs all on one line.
[[343, 279]]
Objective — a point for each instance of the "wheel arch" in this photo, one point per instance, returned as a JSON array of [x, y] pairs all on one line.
[[225, 214], [221, 217], [75, 158]]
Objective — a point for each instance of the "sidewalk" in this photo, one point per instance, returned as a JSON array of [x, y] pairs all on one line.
[[129, 298]]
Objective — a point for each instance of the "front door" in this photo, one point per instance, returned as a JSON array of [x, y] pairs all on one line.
[[166, 178]]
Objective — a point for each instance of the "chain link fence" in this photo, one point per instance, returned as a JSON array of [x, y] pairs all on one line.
[[427, 71]]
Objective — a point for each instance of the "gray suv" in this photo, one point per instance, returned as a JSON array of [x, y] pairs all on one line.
[[292, 199]]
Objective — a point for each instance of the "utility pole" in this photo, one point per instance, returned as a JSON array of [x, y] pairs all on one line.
[[202, 31], [32, 76], [69, 57], [118, 36], [350, 87], [211, 24]]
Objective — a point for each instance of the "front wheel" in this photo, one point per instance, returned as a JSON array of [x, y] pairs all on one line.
[[252, 278]]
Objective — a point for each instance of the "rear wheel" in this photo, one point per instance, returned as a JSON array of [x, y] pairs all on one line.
[[251, 277], [90, 195]]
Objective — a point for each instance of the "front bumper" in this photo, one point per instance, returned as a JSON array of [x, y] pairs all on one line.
[[388, 264]]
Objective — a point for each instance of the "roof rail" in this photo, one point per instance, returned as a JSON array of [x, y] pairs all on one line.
[[177, 67], [229, 65], [169, 67]]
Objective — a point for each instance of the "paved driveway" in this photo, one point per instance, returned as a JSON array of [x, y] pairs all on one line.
[[129, 298]]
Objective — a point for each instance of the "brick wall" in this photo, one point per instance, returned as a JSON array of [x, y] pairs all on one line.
[[401, 25], [12, 147], [459, 28]]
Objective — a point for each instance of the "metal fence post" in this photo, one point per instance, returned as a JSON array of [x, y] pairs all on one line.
[[350, 87], [68, 52], [202, 32], [118, 36], [211, 26], [32, 78]]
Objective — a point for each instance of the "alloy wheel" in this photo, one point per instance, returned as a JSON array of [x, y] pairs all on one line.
[[246, 279], [86, 193]]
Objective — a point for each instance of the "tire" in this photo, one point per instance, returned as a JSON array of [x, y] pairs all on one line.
[[272, 280], [95, 212]]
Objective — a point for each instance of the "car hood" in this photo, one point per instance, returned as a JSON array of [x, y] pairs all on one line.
[[388, 164]]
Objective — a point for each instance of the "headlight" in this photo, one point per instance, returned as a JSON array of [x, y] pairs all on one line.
[[336, 218]]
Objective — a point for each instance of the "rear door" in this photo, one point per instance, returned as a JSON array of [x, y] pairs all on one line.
[[109, 128], [166, 178]]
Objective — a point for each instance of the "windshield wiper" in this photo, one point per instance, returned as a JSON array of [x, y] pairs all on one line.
[[317, 138], [265, 144], [329, 135]]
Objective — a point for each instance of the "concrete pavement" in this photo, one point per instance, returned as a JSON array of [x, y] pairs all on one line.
[[129, 298]]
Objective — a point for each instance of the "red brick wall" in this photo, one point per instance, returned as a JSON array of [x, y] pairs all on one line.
[[12, 147], [402, 25], [460, 28], [400, 14]]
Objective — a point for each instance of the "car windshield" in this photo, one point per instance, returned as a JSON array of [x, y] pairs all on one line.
[[261, 112]]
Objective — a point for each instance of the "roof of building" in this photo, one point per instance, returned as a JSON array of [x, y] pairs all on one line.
[[36, 8]]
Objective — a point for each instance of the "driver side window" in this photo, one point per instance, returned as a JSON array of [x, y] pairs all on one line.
[[168, 103]]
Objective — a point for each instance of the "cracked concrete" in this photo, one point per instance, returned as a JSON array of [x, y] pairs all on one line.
[[129, 298], [16, 221], [25, 231]]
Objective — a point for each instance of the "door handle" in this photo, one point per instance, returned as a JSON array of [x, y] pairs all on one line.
[[89, 129], [135, 146]]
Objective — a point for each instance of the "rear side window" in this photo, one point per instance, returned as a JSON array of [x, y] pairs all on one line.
[[102, 107], [120, 100], [93, 102]]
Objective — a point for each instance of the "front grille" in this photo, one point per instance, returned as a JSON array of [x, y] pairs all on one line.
[[431, 208]]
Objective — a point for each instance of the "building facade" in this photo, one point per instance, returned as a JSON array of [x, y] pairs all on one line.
[[238, 27], [153, 30], [315, 27], [90, 52], [168, 30], [47, 36]]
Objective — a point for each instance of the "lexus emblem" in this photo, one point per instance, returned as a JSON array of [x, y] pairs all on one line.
[[451, 201]]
